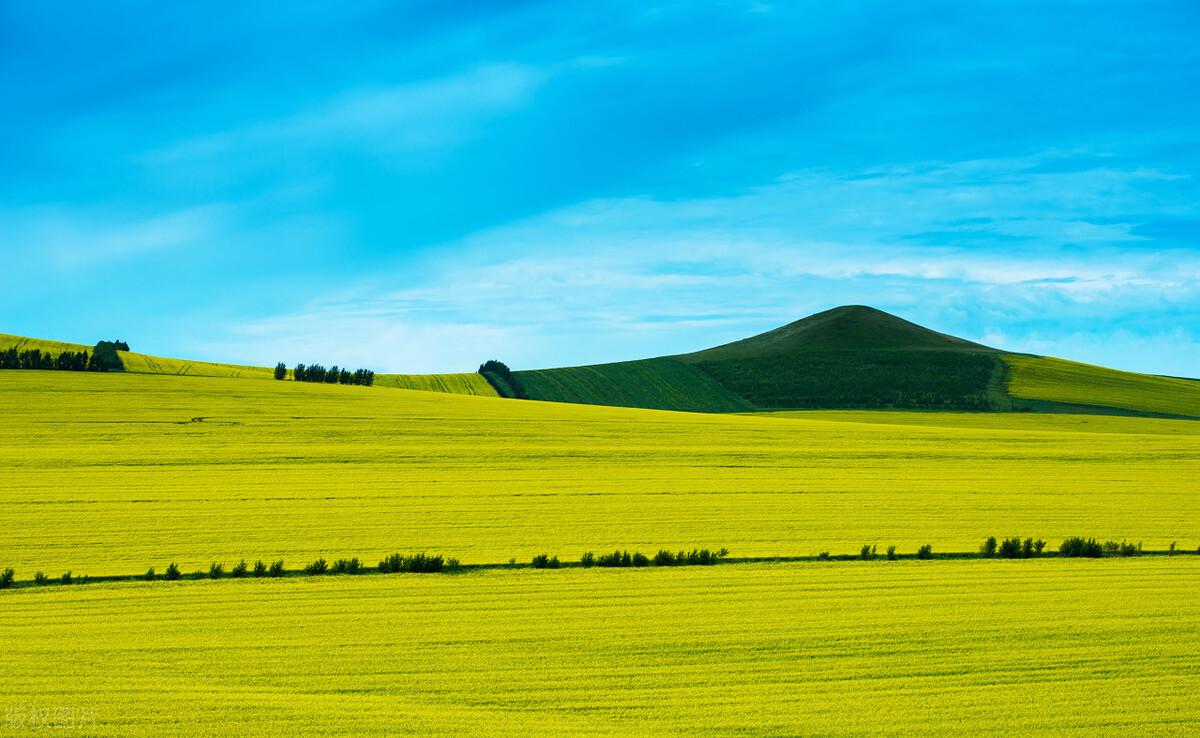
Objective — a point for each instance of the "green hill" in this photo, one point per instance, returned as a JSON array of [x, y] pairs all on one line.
[[857, 357]]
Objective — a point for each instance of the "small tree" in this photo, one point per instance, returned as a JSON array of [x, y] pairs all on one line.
[[6, 578], [276, 569], [1010, 548], [545, 561], [316, 568], [347, 566], [239, 571], [40, 579], [925, 552], [215, 570], [260, 569], [891, 553], [988, 549], [149, 575], [281, 370], [867, 553], [588, 560], [1076, 547], [172, 572]]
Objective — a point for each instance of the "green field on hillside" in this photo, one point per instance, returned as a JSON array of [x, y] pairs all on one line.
[[944, 380], [650, 383], [458, 384], [1058, 380], [1053, 647], [214, 470]]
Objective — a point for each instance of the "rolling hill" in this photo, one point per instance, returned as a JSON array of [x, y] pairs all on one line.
[[857, 357], [850, 357]]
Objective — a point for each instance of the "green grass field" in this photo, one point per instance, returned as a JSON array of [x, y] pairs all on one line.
[[1058, 380], [458, 384], [651, 383], [1068, 648]]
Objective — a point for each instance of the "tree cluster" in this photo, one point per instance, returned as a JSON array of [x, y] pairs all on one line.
[[416, 564], [332, 375], [502, 379], [71, 361], [103, 358], [1011, 548]]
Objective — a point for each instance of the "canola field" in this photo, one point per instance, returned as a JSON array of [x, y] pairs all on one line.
[[1044, 647], [115, 473]]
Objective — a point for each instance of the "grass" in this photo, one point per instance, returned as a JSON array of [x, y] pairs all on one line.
[[651, 383], [852, 379], [458, 384], [1062, 647], [210, 469], [1058, 380]]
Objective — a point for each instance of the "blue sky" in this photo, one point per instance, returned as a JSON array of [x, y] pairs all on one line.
[[421, 186]]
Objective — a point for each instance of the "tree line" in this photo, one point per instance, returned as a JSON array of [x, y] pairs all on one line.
[[103, 358], [332, 375]]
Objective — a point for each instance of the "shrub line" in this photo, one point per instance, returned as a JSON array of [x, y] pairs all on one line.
[[424, 564]]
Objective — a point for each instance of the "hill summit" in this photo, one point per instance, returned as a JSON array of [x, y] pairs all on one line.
[[846, 328], [852, 356]]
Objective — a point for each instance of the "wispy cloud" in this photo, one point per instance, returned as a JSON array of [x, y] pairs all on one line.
[[422, 115], [69, 240]]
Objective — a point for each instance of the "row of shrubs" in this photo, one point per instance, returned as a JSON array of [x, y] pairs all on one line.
[[1008, 548], [332, 375], [1011, 548], [870, 553], [1091, 548]]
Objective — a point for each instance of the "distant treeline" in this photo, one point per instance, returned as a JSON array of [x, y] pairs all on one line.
[[332, 375], [502, 380], [103, 358]]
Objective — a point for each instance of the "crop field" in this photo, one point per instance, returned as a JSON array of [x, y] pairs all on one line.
[[459, 384], [1048, 647], [114, 473], [1043, 378], [663, 383]]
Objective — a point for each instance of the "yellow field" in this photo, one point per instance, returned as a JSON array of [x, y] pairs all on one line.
[[114, 473], [1049, 647], [1043, 378]]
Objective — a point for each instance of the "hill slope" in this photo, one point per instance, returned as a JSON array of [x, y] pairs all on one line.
[[848, 357], [1045, 379], [662, 384], [857, 357]]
